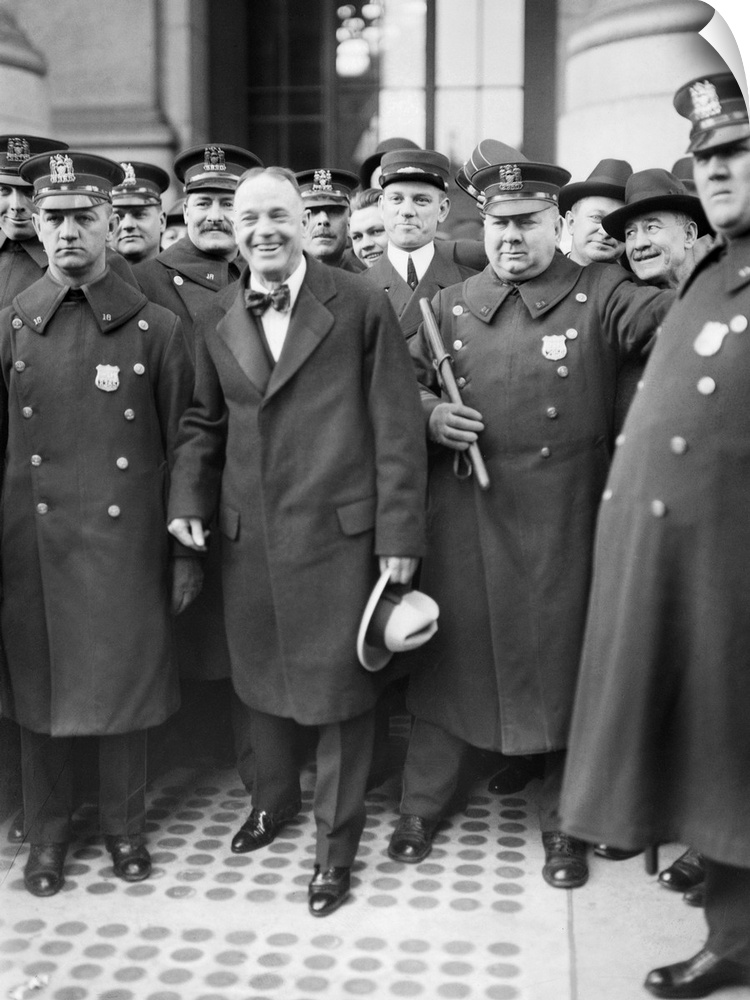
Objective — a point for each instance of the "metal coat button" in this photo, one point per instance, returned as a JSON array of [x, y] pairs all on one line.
[[581, 297], [706, 385], [36, 459], [552, 412], [658, 508], [571, 334], [461, 382], [607, 494], [122, 463], [42, 508], [457, 345], [620, 439], [139, 369], [640, 384], [177, 280], [544, 452], [678, 445], [458, 310], [738, 324], [744, 272], [562, 371], [129, 414], [16, 323], [27, 412], [113, 511], [19, 366], [143, 325]]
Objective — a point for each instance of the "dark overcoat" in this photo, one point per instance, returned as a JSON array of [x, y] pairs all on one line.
[[185, 279], [510, 568], [317, 465], [22, 262], [84, 550], [660, 744], [453, 262]]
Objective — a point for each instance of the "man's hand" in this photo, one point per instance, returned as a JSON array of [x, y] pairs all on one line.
[[187, 581], [402, 567], [189, 531], [455, 425]]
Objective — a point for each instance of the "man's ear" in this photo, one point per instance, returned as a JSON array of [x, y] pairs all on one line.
[[445, 207]]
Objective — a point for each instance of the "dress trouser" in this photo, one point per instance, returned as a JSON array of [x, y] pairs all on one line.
[[727, 909], [268, 766], [47, 776], [433, 767]]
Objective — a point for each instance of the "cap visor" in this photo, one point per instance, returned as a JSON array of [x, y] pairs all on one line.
[[523, 206], [66, 200], [719, 137]]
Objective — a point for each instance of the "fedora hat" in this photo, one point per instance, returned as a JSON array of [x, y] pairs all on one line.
[[396, 620], [606, 180], [653, 191]]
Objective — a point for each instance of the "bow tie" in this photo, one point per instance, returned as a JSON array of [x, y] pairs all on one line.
[[258, 302]]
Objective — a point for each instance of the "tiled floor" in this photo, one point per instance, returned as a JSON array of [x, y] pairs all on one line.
[[474, 920]]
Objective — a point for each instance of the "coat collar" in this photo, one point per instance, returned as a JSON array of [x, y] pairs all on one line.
[[113, 301], [32, 247], [309, 323], [197, 266], [485, 292]]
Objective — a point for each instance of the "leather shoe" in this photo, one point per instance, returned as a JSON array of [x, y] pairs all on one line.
[[565, 864], [515, 774], [615, 853], [16, 831], [260, 828], [697, 977], [130, 859], [696, 896], [327, 890], [411, 841], [684, 873], [43, 874]]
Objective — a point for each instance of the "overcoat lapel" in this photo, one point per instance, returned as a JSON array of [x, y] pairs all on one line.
[[310, 322], [442, 272], [238, 331]]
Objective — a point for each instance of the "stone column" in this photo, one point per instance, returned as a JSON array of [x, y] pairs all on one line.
[[623, 63], [25, 104]]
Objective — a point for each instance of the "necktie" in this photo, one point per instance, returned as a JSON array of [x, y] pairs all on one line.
[[411, 274], [258, 302]]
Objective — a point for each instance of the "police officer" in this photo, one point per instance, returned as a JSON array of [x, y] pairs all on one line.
[[22, 256], [413, 204], [535, 340], [325, 194], [187, 274], [664, 755], [137, 202], [94, 380], [585, 203]]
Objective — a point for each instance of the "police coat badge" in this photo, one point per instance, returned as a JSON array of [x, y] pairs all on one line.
[[554, 347], [106, 378]]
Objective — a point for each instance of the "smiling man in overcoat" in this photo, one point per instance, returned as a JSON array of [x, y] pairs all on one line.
[[305, 434], [536, 341], [660, 742]]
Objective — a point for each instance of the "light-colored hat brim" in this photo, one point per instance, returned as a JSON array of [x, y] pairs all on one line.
[[373, 658]]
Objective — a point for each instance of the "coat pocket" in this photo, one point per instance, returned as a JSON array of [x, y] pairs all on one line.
[[358, 516], [229, 522]]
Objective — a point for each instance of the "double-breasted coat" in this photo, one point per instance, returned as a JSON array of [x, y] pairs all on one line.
[[185, 279], [660, 742], [453, 262], [22, 262], [93, 385], [510, 568], [316, 465]]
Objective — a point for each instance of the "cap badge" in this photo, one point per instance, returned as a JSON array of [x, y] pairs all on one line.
[[18, 150], [61, 169], [706, 103], [509, 176], [106, 378], [213, 158], [129, 174], [322, 181]]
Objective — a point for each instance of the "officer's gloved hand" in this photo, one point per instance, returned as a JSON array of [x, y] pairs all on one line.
[[187, 581], [455, 425]]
